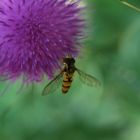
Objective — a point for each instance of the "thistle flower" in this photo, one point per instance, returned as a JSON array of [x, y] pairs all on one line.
[[35, 35]]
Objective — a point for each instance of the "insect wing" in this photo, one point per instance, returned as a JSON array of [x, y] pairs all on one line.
[[53, 85], [4, 78], [88, 79]]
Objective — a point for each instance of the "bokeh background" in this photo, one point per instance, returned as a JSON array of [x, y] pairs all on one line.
[[112, 112]]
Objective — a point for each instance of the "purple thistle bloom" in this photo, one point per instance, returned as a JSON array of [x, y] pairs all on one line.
[[35, 35]]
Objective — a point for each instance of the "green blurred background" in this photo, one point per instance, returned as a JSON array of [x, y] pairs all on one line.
[[112, 112]]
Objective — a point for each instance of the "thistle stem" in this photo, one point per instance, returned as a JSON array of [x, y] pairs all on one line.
[[131, 6]]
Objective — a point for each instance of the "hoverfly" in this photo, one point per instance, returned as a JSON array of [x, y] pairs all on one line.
[[64, 78]]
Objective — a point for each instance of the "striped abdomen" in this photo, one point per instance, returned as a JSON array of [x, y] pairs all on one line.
[[67, 80]]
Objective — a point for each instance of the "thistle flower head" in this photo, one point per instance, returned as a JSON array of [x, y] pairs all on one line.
[[35, 35]]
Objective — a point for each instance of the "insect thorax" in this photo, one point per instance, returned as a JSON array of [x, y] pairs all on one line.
[[69, 61], [69, 66]]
